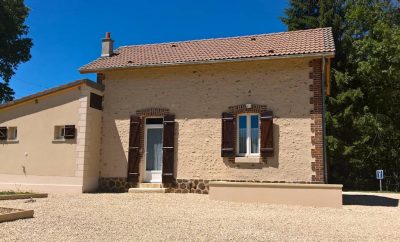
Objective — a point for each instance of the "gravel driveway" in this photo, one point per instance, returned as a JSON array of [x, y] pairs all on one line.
[[192, 217]]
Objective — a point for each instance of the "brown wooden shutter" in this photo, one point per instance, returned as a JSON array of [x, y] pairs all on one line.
[[69, 132], [134, 149], [228, 134], [3, 133], [168, 148], [267, 134]]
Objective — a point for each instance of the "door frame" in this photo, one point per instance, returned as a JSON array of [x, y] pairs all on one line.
[[146, 127]]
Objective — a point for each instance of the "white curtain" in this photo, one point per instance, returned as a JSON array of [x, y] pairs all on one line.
[[242, 140], [154, 149], [157, 156], [254, 140]]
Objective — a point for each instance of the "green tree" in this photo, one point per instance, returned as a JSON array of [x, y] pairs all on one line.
[[363, 112], [302, 14], [14, 45], [367, 103]]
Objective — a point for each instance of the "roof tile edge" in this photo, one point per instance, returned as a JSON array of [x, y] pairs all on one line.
[[325, 48], [46, 92]]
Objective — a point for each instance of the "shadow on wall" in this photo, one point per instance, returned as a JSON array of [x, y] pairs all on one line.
[[369, 200], [119, 160], [271, 161], [176, 147]]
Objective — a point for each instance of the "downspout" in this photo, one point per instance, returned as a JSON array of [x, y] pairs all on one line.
[[323, 119]]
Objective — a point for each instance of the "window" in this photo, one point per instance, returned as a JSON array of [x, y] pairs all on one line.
[[9, 134], [96, 101], [59, 132], [248, 135], [64, 132], [154, 120], [12, 133], [3, 133]]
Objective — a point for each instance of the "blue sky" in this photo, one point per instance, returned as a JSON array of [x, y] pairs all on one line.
[[67, 33]]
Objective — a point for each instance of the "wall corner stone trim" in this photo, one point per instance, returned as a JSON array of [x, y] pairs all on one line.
[[316, 113], [81, 147]]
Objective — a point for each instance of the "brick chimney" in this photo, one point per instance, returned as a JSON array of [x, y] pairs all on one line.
[[107, 45]]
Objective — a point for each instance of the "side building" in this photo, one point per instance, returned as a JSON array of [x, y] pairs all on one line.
[[45, 144]]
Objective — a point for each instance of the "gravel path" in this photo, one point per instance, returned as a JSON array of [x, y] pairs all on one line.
[[192, 217]]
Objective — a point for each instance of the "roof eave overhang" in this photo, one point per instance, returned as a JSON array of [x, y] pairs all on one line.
[[307, 55], [52, 91]]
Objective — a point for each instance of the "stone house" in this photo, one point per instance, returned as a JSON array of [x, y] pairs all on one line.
[[183, 116]]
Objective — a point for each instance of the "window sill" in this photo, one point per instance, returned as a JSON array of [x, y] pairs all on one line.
[[59, 141], [9, 141], [248, 159]]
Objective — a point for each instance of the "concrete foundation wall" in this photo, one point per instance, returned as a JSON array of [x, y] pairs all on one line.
[[48, 184], [315, 195]]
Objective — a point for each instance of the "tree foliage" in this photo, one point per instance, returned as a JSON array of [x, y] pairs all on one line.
[[363, 113], [14, 45]]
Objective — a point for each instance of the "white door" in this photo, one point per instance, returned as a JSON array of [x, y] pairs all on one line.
[[154, 143]]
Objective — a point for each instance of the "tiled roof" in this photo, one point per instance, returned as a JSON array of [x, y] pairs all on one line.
[[303, 42], [86, 82]]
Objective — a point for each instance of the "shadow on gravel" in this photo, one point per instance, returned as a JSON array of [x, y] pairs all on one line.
[[369, 200]]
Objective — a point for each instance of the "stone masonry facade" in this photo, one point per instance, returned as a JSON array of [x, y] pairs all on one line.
[[293, 94]]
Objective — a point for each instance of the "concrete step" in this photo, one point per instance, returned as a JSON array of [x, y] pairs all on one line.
[[150, 185], [147, 190]]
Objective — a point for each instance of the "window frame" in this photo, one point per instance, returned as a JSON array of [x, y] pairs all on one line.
[[59, 132], [248, 135], [9, 134]]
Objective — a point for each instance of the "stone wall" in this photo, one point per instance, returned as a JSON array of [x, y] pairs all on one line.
[[197, 95]]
